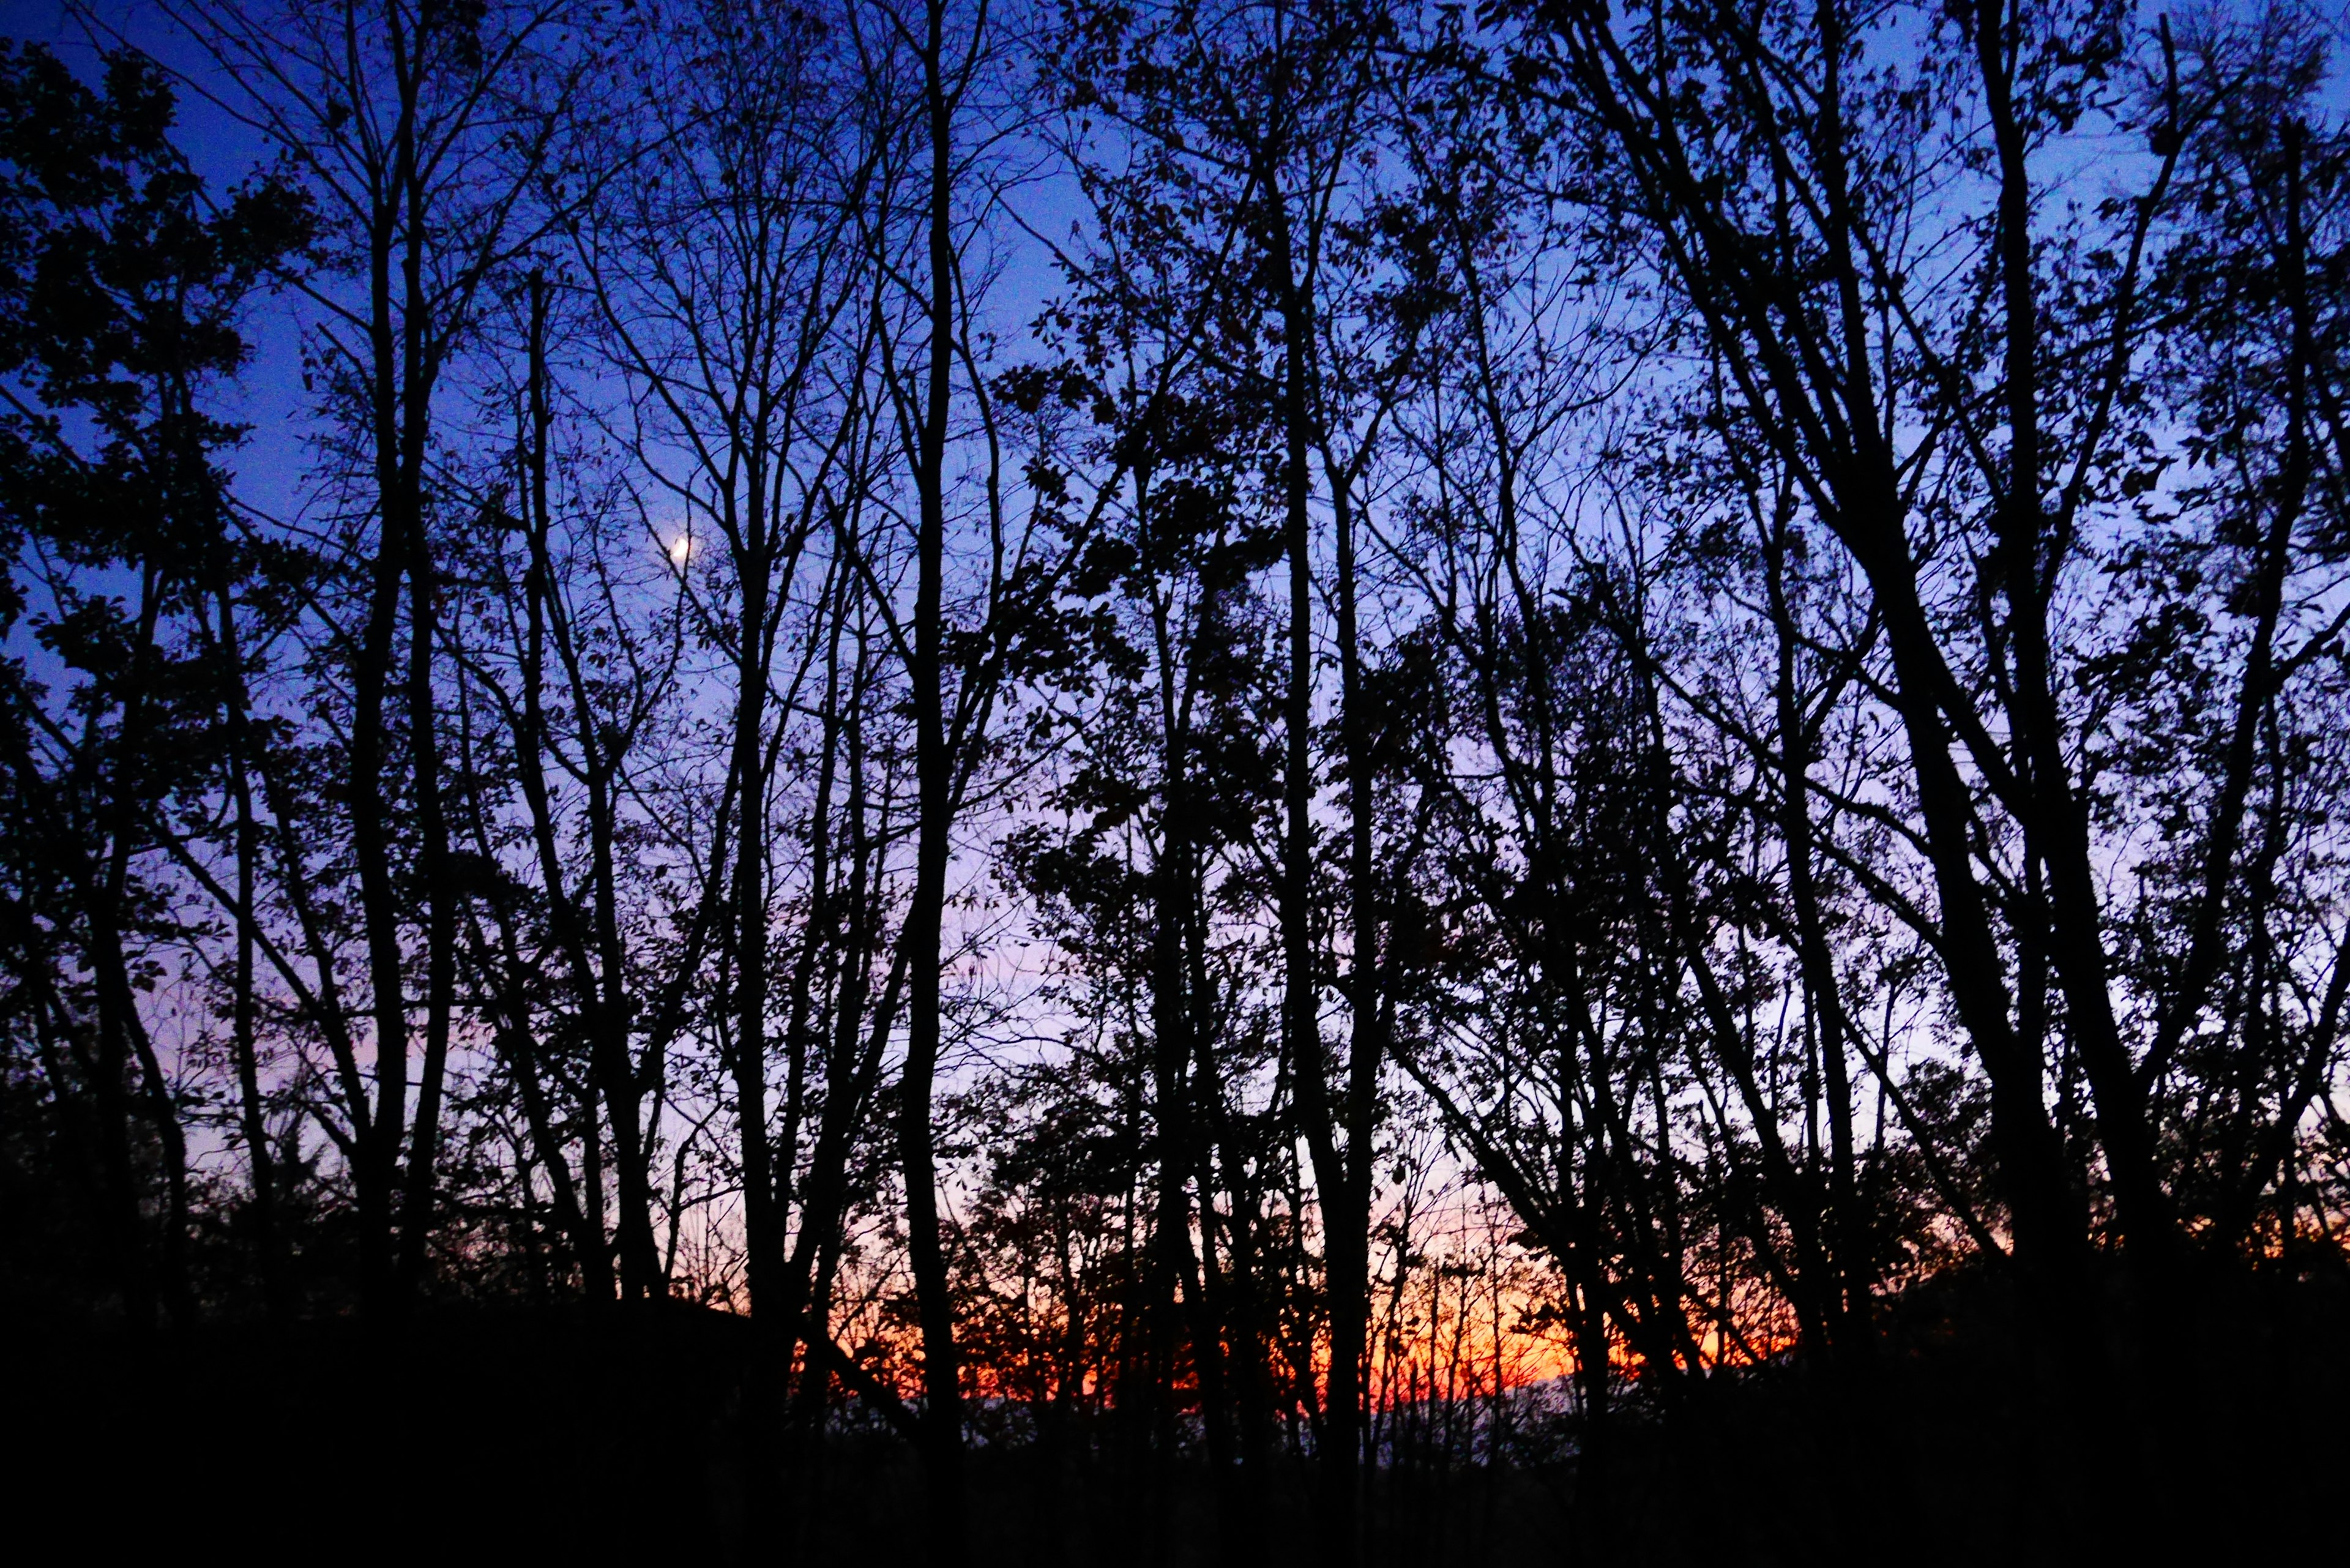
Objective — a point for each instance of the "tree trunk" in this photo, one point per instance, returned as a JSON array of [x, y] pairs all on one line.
[[934, 771]]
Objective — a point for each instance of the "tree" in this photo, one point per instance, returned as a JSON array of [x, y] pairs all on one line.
[[120, 301], [420, 134]]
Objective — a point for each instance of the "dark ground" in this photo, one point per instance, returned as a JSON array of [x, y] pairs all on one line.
[[523, 1435]]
